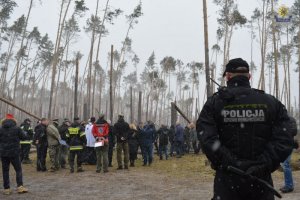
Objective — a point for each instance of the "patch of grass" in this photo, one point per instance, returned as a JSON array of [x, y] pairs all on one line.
[[189, 166]]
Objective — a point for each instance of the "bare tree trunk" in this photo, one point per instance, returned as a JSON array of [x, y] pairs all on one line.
[[76, 88], [56, 54], [110, 85], [140, 107], [21, 48], [275, 55]]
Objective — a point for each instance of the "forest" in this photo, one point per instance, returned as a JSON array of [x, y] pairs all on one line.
[[49, 78]]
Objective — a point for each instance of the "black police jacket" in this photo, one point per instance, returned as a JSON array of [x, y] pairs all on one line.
[[245, 123], [28, 130], [40, 135]]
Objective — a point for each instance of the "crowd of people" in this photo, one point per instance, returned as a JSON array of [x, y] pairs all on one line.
[[91, 142]]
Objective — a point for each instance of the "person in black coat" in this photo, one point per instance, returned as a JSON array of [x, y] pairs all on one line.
[[247, 129], [40, 140], [121, 131], [139, 137], [133, 144], [171, 139], [163, 133], [26, 143], [10, 136]]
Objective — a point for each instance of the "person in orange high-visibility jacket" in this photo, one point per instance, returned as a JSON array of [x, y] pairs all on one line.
[[76, 140], [100, 132]]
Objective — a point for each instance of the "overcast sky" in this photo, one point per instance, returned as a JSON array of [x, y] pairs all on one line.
[[168, 27]]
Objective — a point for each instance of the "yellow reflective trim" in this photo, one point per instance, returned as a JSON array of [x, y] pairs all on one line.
[[26, 142], [82, 134], [73, 131], [73, 148]]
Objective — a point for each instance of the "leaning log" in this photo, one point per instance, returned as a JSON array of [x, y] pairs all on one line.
[[180, 112], [19, 108]]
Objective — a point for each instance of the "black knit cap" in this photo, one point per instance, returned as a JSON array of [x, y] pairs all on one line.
[[76, 118], [235, 63]]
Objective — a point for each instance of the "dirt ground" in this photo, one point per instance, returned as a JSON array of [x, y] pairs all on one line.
[[185, 178]]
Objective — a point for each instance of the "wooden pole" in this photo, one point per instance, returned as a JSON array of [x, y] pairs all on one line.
[[180, 112], [110, 86]]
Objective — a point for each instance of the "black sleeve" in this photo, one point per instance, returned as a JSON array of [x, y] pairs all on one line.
[[281, 143], [209, 138], [21, 134]]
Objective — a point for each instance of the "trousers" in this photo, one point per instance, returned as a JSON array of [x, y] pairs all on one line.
[[102, 155], [232, 187], [41, 150], [54, 156], [122, 147], [16, 163], [72, 156]]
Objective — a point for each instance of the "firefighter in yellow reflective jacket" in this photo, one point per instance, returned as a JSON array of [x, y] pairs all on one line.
[[26, 143], [76, 140]]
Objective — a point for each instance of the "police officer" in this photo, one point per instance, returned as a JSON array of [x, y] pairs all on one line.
[[40, 140], [26, 143], [244, 128], [76, 140]]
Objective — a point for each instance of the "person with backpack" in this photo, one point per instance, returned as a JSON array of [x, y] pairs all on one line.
[[287, 171], [100, 132], [163, 141]]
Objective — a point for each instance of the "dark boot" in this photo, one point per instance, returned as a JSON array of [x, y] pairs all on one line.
[[131, 163]]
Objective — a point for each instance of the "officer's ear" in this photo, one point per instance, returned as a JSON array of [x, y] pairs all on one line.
[[228, 76], [249, 76]]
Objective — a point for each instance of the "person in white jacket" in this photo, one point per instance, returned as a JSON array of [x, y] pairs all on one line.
[[90, 139], [90, 155]]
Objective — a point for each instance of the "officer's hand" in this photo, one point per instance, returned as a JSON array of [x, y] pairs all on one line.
[[257, 170], [37, 142]]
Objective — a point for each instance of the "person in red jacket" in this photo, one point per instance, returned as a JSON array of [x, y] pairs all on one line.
[[100, 132]]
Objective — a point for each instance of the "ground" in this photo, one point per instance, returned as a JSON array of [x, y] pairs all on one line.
[[185, 178]]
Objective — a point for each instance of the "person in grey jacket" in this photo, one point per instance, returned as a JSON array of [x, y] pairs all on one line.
[[53, 138]]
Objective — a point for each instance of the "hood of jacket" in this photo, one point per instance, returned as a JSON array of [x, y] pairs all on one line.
[[9, 123]]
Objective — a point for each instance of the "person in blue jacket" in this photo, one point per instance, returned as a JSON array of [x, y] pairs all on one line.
[[179, 139], [148, 137]]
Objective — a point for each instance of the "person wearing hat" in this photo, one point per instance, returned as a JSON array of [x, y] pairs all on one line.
[[10, 136], [243, 128], [76, 140], [53, 138], [26, 143], [121, 130]]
